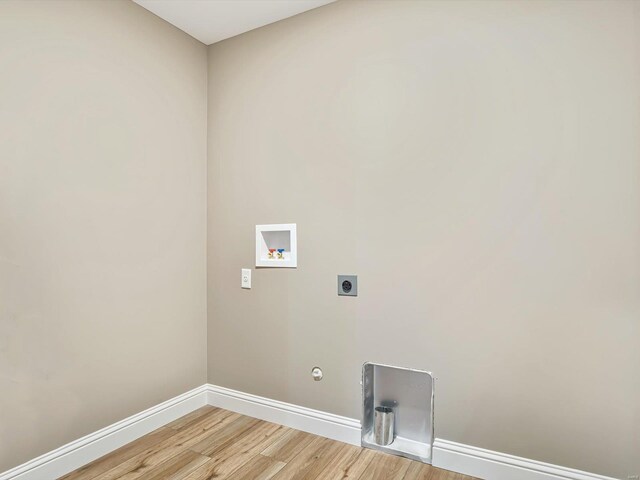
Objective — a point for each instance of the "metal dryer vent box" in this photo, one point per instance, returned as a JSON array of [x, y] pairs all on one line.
[[409, 394]]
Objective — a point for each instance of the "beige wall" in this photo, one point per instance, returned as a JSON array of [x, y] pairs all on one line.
[[102, 218], [477, 164]]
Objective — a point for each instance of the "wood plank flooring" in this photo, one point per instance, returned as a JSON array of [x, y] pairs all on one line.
[[212, 443]]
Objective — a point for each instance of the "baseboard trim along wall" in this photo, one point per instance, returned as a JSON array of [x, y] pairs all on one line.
[[490, 465], [452, 456], [327, 425], [86, 449], [456, 457]]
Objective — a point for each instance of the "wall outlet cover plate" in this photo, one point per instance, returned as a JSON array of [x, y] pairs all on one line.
[[348, 285], [245, 280]]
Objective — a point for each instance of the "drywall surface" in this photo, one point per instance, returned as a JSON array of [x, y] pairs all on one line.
[[102, 218], [477, 164]]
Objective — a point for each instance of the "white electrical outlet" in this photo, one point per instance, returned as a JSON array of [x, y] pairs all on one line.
[[246, 278], [633, 477]]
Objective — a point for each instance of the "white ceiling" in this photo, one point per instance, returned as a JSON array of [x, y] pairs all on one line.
[[213, 20]]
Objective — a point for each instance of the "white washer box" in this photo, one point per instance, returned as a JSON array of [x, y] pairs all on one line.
[[277, 236]]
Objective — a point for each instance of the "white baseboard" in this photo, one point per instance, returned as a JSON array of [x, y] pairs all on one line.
[[86, 449], [327, 425], [456, 457], [489, 465]]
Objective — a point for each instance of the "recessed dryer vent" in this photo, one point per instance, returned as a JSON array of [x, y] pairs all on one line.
[[405, 397]]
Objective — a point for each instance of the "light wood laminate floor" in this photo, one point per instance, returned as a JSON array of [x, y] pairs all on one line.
[[212, 443]]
